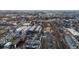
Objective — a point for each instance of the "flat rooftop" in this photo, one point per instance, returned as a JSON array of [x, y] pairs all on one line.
[[72, 31]]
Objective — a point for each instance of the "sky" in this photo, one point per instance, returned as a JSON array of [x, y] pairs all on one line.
[[39, 5]]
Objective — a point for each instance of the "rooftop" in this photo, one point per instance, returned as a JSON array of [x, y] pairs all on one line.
[[74, 32]]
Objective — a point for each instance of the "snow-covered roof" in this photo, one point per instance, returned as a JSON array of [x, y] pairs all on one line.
[[21, 28], [74, 32], [26, 24], [7, 44]]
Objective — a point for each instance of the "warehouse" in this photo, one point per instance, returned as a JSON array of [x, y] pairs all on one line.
[[73, 32], [70, 38], [38, 29], [20, 30], [31, 30], [26, 24]]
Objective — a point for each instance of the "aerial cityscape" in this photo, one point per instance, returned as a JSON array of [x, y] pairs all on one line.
[[39, 29]]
